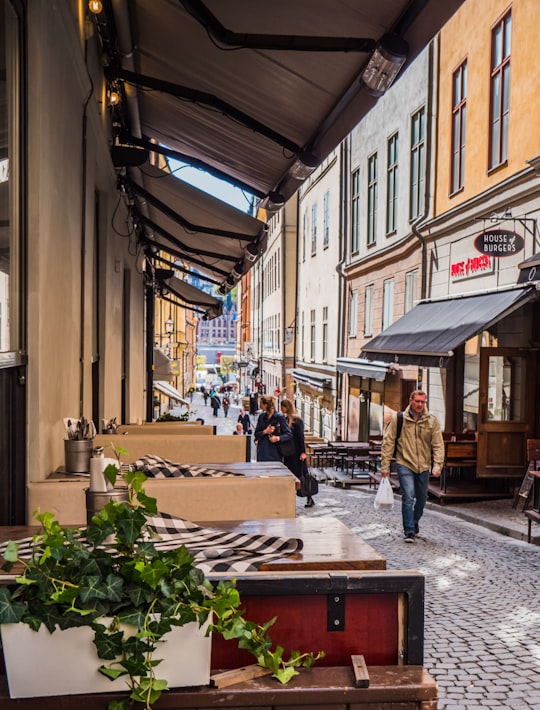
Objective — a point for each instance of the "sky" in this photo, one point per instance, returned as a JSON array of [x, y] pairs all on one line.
[[218, 188]]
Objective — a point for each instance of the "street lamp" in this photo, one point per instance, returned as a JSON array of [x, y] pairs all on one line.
[[169, 326]]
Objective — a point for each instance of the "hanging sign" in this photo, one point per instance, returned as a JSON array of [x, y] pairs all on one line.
[[499, 242]]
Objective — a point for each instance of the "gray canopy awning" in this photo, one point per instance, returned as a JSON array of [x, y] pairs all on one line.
[[192, 295], [191, 224], [244, 88], [170, 392], [362, 368], [430, 332]]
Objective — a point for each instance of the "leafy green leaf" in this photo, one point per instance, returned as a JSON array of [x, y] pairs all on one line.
[[10, 612], [11, 553]]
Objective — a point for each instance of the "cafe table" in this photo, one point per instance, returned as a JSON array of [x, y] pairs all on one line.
[[327, 544]]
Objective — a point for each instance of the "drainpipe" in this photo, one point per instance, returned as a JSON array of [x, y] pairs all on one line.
[[343, 228], [414, 226]]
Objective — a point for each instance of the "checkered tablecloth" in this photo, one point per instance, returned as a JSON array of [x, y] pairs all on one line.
[[157, 467], [214, 550]]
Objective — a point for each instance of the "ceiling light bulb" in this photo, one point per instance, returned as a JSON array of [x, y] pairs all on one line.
[[114, 97], [95, 6]]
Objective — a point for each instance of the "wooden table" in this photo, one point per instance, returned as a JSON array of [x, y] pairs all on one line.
[[327, 543]]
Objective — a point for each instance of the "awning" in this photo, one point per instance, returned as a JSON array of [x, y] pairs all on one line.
[[192, 225], [243, 88], [429, 333], [312, 379], [195, 296], [162, 365], [168, 390], [362, 368]]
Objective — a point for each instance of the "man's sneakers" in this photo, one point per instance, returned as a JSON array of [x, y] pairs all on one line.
[[409, 537], [416, 529]]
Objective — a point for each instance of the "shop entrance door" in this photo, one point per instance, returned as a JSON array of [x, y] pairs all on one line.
[[506, 411]]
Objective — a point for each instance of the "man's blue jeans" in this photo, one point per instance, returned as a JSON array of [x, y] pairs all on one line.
[[414, 493]]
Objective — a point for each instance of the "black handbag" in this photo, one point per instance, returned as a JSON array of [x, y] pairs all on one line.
[[309, 485]]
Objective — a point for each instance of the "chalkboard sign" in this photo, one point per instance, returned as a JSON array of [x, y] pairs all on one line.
[[524, 492]]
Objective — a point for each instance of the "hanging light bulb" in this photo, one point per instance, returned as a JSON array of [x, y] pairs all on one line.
[[114, 96], [95, 6]]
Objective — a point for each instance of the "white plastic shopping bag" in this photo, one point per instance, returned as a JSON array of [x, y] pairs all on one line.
[[384, 500]]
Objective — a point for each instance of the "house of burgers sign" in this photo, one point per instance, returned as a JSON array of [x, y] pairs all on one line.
[[499, 242]]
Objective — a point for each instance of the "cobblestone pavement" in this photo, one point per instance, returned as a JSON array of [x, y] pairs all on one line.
[[482, 620], [482, 616]]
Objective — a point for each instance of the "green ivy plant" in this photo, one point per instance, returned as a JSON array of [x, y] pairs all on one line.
[[167, 417], [115, 572]]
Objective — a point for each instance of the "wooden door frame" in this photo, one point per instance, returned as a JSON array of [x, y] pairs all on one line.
[[511, 436]]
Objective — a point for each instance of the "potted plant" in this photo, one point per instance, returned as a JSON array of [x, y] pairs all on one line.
[[111, 578]]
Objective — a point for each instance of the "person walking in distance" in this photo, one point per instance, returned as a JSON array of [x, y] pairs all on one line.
[[414, 437], [215, 403], [226, 404], [245, 421]]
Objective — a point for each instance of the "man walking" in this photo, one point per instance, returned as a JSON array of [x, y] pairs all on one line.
[[419, 452]]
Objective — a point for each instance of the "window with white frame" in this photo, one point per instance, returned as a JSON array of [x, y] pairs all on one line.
[[355, 212], [459, 123], [411, 289], [303, 336], [388, 303], [304, 236], [325, 334], [418, 149], [313, 229], [372, 200], [326, 219], [501, 45], [312, 336], [391, 183], [353, 313], [368, 310]]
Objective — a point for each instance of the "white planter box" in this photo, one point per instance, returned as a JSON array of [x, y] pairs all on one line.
[[66, 662]]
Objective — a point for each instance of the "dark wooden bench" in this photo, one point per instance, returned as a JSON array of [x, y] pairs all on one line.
[[406, 687]]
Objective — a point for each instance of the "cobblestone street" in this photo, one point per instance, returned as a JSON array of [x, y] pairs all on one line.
[[482, 621], [482, 639]]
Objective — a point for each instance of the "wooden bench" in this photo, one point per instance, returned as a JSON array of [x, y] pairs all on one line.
[[390, 687]]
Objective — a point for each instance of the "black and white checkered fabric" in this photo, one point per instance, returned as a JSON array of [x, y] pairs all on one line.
[[213, 550], [156, 467]]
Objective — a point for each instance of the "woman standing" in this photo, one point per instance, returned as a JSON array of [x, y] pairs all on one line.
[[271, 429], [296, 463]]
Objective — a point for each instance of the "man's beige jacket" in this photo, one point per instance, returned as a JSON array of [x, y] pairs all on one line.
[[420, 445]]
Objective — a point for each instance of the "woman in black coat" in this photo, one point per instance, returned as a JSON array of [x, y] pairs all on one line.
[[271, 429], [297, 462]]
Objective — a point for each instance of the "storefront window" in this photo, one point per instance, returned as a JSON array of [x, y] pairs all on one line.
[[506, 401], [9, 190]]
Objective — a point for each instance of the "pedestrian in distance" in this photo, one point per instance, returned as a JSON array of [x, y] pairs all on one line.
[[215, 403], [206, 397], [245, 421], [226, 402], [418, 449], [271, 429], [297, 462]]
